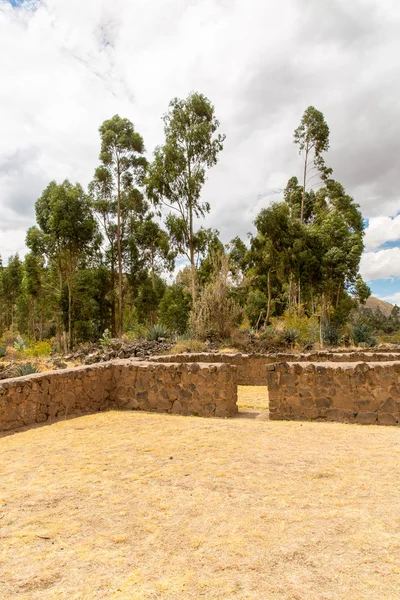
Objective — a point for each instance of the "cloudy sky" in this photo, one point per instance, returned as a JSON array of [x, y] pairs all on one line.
[[67, 65]]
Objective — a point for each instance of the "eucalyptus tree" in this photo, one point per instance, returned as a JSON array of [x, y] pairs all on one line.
[[178, 172], [122, 168], [312, 138], [67, 231]]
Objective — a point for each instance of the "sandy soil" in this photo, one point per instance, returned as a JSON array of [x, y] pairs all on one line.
[[125, 505]]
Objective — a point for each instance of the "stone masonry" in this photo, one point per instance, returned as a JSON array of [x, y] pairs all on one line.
[[252, 368], [207, 390], [365, 393]]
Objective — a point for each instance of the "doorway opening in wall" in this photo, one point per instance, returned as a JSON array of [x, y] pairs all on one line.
[[253, 402]]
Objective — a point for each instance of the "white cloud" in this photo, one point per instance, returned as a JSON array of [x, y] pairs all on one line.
[[382, 264], [70, 65], [380, 230], [392, 298]]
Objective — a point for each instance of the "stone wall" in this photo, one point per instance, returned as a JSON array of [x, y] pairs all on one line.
[[205, 390], [366, 393], [252, 368]]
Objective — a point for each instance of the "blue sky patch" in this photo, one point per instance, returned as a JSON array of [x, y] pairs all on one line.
[[385, 288]]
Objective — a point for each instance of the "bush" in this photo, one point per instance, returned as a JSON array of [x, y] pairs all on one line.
[[215, 309], [3, 351], [106, 339], [19, 344], [157, 331], [24, 369], [272, 338], [43, 348], [291, 335], [307, 328], [174, 308], [361, 334], [137, 331], [190, 345], [330, 335]]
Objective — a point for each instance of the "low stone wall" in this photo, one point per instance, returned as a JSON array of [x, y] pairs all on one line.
[[366, 393], [207, 390], [204, 390], [252, 368]]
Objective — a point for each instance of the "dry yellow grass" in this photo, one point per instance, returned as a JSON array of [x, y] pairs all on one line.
[[139, 506], [250, 397]]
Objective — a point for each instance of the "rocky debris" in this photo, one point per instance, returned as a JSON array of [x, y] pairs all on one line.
[[56, 363], [7, 371], [120, 349]]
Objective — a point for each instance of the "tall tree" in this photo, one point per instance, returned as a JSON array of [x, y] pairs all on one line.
[[178, 172], [122, 168], [312, 137], [67, 230]]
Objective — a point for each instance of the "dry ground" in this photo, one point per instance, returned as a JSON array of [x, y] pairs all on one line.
[[132, 506]]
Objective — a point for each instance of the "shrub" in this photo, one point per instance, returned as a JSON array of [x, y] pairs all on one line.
[[256, 305], [157, 331], [106, 339], [42, 348], [136, 331], [175, 308], [330, 335], [361, 334], [307, 328], [24, 369], [291, 335], [3, 351], [272, 338], [19, 344], [215, 309], [190, 345]]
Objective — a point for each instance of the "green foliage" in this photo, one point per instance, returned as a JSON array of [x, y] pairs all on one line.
[[157, 331], [24, 369], [216, 309], [330, 335], [306, 328], [3, 351], [175, 308], [43, 348], [106, 339], [19, 344], [136, 331], [361, 333], [291, 335], [178, 172], [256, 307]]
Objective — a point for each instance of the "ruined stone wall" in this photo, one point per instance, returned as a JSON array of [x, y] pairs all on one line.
[[252, 368], [366, 393], [205, 390]]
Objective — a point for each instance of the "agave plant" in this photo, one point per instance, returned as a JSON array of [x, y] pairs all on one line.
[[24, 369], [156, 332], [19, 344]]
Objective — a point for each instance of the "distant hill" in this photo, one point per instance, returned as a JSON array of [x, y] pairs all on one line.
[[374, 303]]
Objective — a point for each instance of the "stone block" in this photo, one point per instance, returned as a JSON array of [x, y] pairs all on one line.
[[389, 406], [387, 419], [366, 418]]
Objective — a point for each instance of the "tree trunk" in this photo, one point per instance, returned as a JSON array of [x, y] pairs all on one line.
[[113, 319], [120, 308], [269, 299], [192, 261], [304, 185], [34, 320], [69, 314]]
